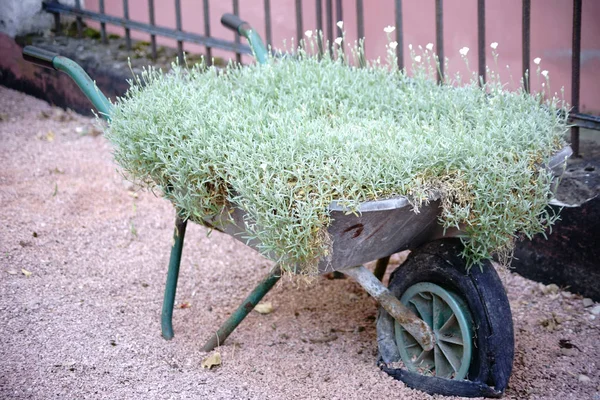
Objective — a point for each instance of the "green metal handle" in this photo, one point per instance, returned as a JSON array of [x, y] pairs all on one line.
[[48, 59], [243, 28], [41, 57]]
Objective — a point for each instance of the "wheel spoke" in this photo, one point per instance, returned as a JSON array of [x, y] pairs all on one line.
[[450, 331], [443, 368], [436, 307], [425, 362], [424, 308], [451, 354]]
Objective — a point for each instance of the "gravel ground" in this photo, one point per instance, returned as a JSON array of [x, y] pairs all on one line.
[[83, 259]]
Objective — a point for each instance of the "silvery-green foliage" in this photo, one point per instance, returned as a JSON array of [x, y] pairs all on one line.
[[281, 141]]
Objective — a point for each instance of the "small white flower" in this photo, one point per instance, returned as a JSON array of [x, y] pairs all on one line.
[[393, 45], [418, 58], [340, 24], [537, 61], [338, 41], [464, 51], [494, 45], [429, 46], [410, 46], [389, 29], [545, 73], [308, 34]]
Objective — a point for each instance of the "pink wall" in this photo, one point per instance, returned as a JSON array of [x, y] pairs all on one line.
[[551, 32]]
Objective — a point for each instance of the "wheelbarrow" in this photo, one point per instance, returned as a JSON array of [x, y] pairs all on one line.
[[441, 328]]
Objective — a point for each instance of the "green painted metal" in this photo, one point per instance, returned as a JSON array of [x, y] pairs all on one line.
[[172, 276], [451, 322], [85, 83], [243, 310], [256, 44]]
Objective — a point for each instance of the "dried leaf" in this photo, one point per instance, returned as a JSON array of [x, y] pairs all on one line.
[[26, 273], [264, 308], [214, 360], [49, 136]]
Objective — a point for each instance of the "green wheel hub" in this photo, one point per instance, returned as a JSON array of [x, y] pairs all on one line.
[[450, 320]]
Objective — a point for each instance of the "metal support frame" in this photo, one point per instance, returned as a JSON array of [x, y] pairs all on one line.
[[403, 315], [244, 309], [381, 267], [166, 317]]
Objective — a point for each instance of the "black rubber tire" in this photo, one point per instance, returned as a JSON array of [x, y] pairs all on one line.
[[440, 262]]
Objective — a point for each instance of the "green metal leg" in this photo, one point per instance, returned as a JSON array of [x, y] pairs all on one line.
[[172, 275], [243, 310], [381, 267]]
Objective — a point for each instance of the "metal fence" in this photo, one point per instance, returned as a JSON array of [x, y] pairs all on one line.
[[326, 24]]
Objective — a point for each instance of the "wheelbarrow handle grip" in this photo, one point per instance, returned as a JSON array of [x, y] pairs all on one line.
[[244, 29], [41, 57], [232, 22]]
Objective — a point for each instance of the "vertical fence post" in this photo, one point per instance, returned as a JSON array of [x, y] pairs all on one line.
[[481, 40], [102, 24], [152, 22], [399, 34], [575, 72], [329, 16], [57, 29], [360, 31], [339, 14], [78, 20], [179, 28], [360, 20], [299, 24], [526, 25], [236, 11], [439, 36], [127, 31], [206, 11], [319, 9], [268, 29]]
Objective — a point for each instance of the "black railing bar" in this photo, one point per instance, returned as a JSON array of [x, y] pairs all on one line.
[[575, 72], [585, 121], [236, 11], [152, 22], [526, 26], [268, 28], [179, 27], [339, 13], [399, 34], [319, 9], [481, 39], [360, 20], [329, 16], [206, 11], [360, 29], [439, 36], [78, 20], [126, 18], [103, 35], [57, 28], [140, 26], [299, 27]]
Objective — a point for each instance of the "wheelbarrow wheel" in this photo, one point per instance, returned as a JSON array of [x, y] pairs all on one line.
[[469, 314]]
